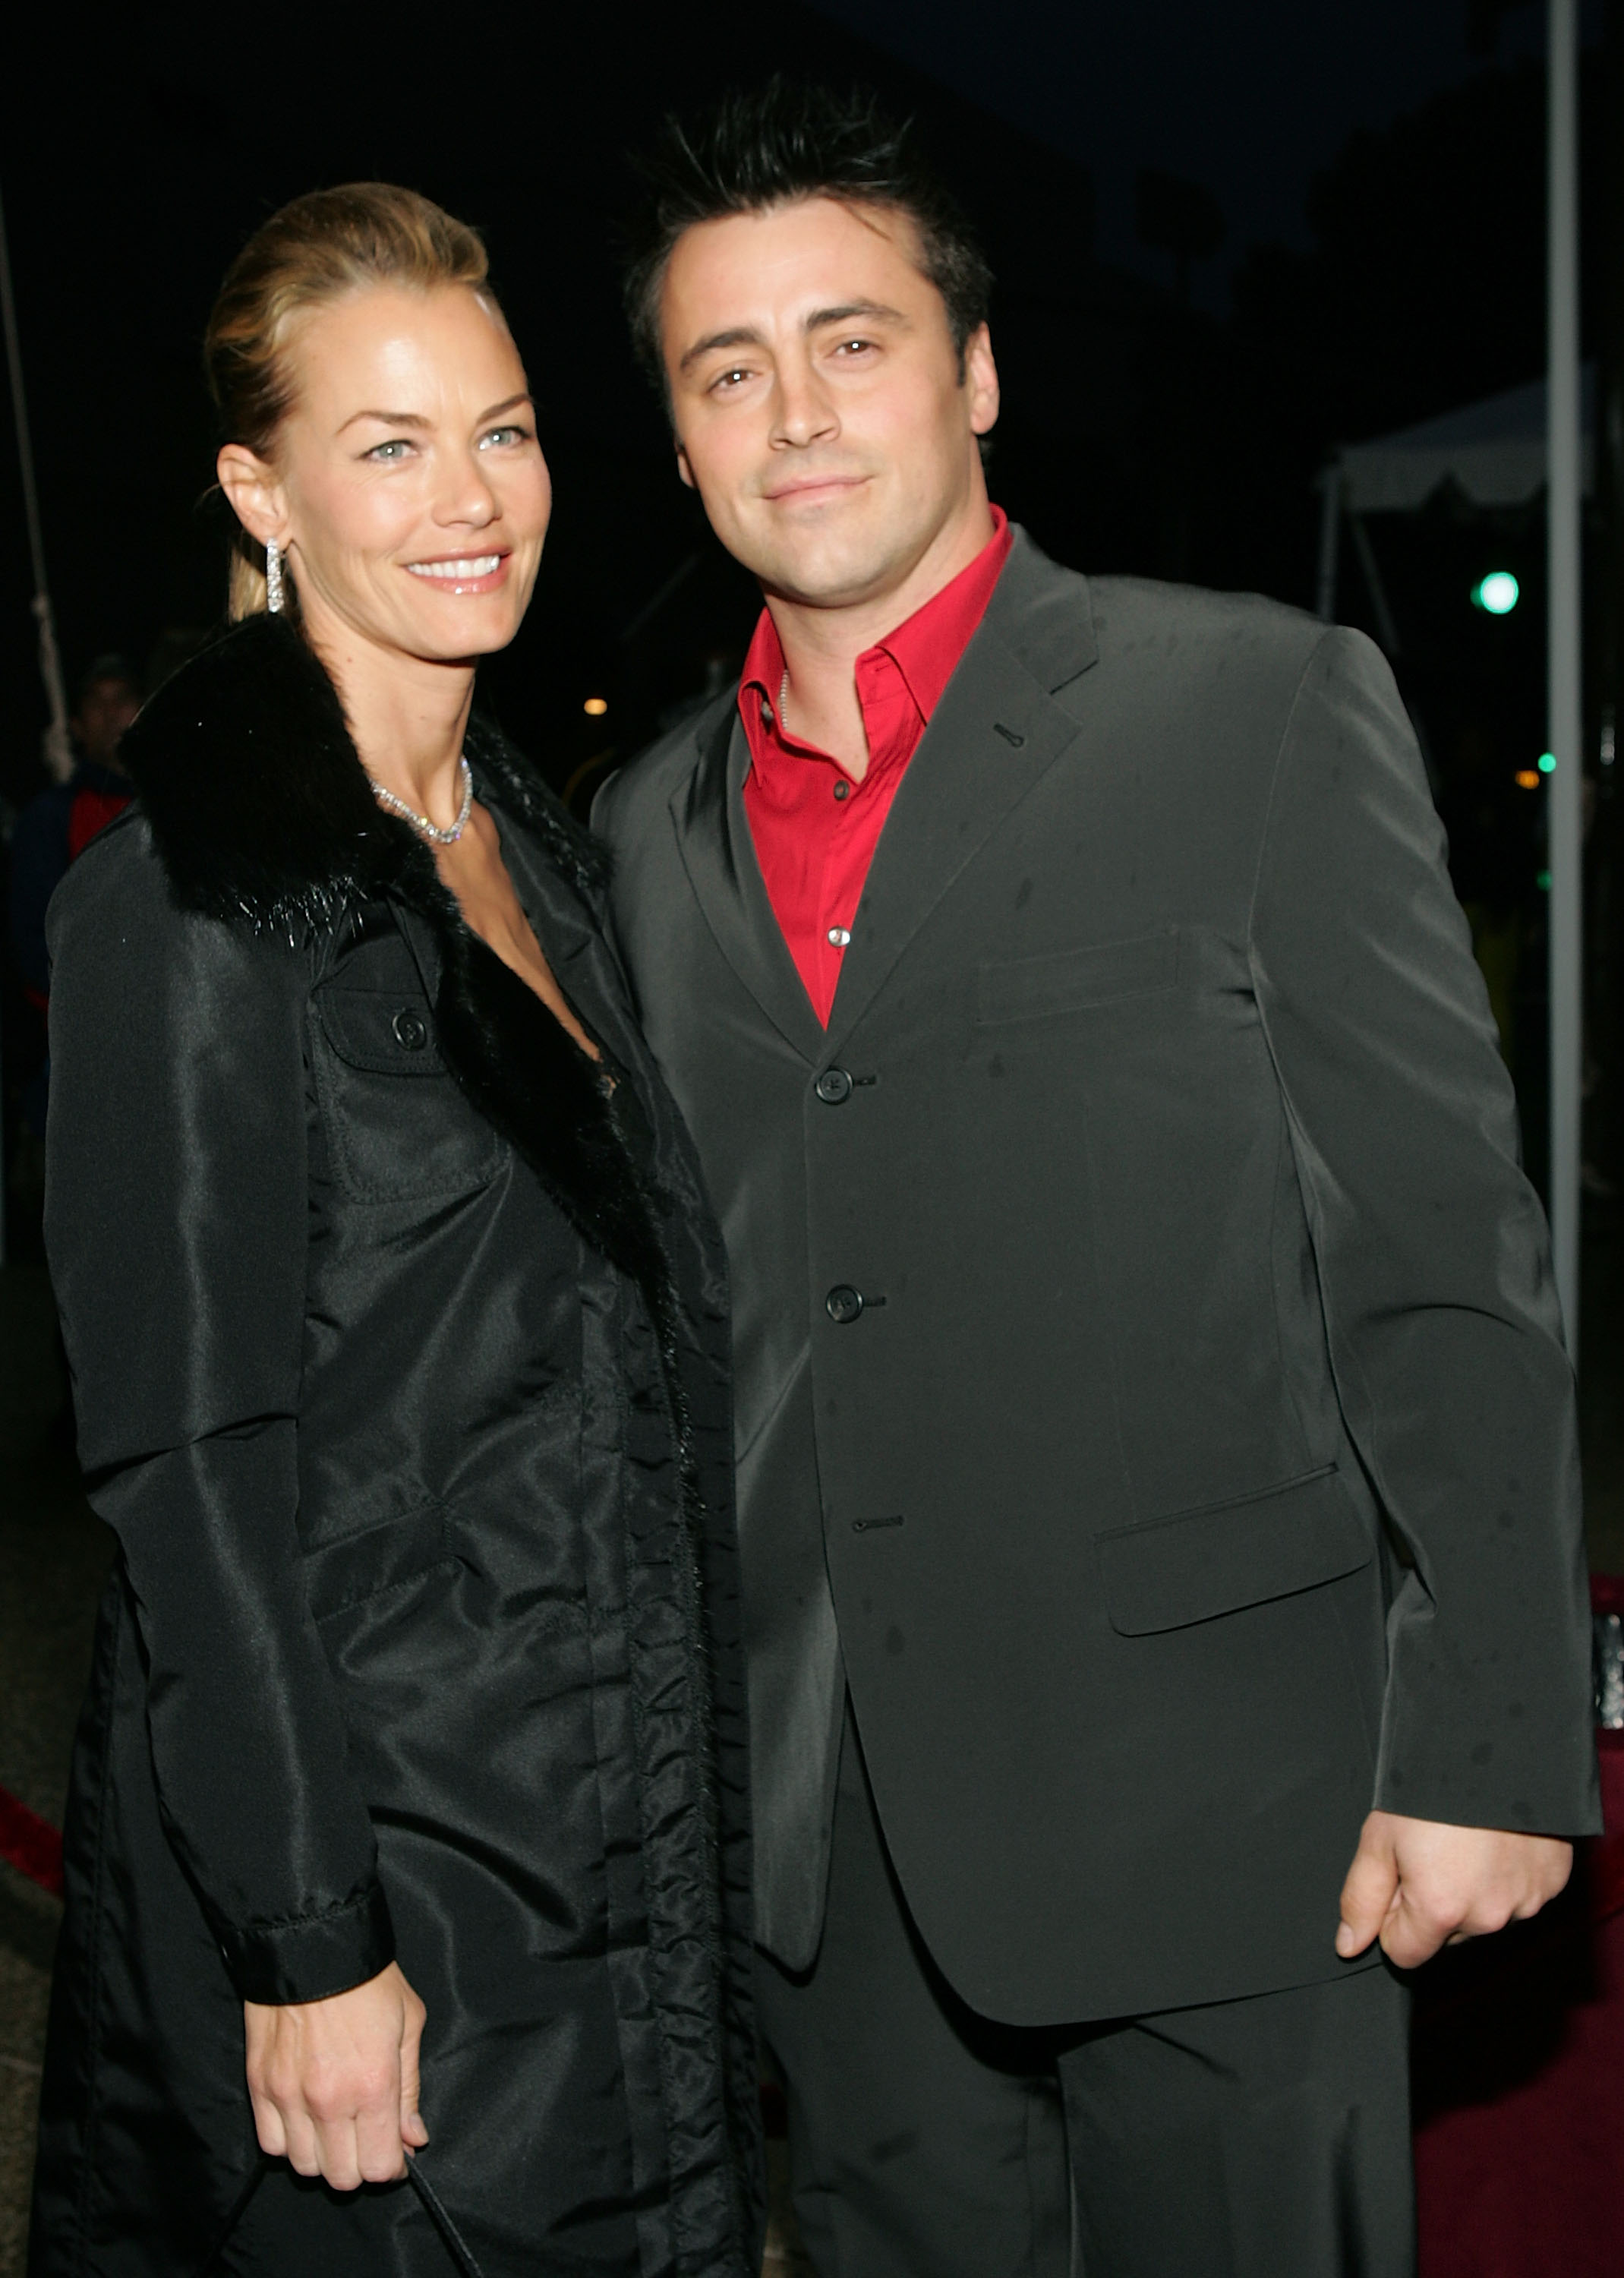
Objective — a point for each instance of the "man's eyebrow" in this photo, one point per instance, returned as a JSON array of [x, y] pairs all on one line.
[[746, 336], [847, 309], [740, 336]]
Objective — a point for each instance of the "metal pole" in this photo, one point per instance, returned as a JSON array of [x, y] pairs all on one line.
[[1563, 666], [58, 751]]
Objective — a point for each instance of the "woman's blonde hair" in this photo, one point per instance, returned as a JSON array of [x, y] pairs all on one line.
[[322, 246]]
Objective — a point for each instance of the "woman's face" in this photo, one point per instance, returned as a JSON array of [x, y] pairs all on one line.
[[406, 485]]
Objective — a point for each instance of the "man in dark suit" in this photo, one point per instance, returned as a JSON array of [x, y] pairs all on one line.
[[1157, 1468]]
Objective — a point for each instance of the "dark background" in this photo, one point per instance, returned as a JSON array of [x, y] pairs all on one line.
[[1347, 235]]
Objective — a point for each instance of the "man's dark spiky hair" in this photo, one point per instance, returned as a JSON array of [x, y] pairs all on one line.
[[773, 146]]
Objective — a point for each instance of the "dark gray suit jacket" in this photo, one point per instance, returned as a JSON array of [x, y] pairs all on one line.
[[1198, 1467]]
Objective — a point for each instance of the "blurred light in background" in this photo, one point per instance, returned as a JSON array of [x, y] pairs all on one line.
[[596, 706], [1527, 779], [1497, 593], [1547, 763]]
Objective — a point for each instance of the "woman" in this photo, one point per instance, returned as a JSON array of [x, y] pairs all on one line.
[[398, 1334]]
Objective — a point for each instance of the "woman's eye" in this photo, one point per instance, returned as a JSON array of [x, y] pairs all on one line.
[[386, 454], [504, 435]]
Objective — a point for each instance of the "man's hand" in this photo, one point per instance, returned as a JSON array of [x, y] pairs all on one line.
[[1419, 1884], [334, 2082]]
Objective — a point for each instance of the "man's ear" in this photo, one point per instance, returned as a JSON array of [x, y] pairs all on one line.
[[982, 380], [256, 497], [683, 468]]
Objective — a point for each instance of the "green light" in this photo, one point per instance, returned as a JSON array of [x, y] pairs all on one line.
[[1498, 593], [1547, 763], [1543, 882]]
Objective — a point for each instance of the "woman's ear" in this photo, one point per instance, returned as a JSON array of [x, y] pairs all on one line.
[[255, 495]]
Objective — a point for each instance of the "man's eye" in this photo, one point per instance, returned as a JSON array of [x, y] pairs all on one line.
[[848, 348], [731, 377], [500, 436]]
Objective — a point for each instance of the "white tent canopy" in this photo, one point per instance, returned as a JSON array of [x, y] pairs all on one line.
[[1494, 452]]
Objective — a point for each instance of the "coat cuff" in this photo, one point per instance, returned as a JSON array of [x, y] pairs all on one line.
[[314, 1957]]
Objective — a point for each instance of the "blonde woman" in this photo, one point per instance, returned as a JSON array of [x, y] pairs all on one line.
[[407, 1848]]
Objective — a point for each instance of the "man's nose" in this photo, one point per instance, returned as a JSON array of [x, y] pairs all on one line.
[[804, 412]]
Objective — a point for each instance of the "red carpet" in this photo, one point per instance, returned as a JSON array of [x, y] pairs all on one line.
[[1519, 2074], [30, 1843]]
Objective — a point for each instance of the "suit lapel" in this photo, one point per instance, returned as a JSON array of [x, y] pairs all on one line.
[[997, 731], [714, 834]]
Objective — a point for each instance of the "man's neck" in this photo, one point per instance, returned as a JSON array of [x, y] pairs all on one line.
[[822, 645]]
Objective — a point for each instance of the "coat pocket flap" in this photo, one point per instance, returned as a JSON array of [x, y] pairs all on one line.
[[1071, 980], [340, 1574], [1168, 1572], [381, 1033]]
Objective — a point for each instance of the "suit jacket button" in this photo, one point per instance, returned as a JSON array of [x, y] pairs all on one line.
[[844, 1303], [411, 1030], [833, 1087]]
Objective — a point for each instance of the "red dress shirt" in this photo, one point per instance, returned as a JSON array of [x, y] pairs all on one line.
[[814, 829]]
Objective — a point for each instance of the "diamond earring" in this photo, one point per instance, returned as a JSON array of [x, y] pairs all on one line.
[[274, 597]]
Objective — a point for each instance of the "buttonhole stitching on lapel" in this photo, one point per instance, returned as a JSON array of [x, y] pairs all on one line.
[[1009, 734], [867, 1525]]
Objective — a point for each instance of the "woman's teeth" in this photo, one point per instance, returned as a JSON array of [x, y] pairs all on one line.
[[476, 565]]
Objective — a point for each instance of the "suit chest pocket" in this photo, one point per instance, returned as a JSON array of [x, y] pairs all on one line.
[[398, 1127], [1078, 980]]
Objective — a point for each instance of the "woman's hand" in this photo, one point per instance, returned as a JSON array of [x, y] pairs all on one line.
[[334, 2082]]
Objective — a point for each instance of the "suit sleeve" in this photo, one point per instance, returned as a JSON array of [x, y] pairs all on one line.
[[1434, 1267], [176, 1228]]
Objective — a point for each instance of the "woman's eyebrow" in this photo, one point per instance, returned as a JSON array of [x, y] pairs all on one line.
[[389, 419]]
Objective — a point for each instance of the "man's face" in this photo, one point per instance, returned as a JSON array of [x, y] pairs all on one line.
[[105, 710], [819, 407]]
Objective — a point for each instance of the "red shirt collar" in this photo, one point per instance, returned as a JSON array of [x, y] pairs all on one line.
[[924, 648]]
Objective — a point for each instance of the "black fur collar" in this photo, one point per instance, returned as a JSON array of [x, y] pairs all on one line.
[[262, 816], [258, 804]]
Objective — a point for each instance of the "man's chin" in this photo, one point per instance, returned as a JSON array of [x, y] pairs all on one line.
[[831, 578]]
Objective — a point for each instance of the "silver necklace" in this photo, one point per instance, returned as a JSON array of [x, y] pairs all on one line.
[[421, 823]]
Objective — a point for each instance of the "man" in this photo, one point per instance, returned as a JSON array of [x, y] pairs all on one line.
[[1157, 1465]]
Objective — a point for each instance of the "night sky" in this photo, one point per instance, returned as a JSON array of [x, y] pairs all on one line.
[[1249, 97]]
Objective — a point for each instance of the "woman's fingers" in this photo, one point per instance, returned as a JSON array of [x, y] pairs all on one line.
[[268, 2125], [334, 2082], [413, 2133], [303, 2151], [375, 2143]]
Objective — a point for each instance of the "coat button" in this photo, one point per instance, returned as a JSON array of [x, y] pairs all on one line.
[[833, 1087], [411, 1030], [844, 1303]]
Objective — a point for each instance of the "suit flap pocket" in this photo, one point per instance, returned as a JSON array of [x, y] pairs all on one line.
[[340, 1574], [1171, 1572], [1071, 980]]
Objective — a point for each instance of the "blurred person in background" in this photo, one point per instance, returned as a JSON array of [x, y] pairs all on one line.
[[406, 1840], [52, 831]]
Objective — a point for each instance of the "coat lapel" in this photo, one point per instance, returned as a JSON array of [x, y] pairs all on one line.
[[997, 731], [714, 834]]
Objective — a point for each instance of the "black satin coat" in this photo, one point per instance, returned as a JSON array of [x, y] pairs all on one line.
[[400, 1355]]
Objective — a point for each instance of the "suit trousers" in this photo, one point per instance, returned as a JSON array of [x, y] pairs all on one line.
[[1259, 2138]]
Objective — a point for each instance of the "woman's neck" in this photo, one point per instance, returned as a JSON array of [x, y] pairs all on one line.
[[407, 716]]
